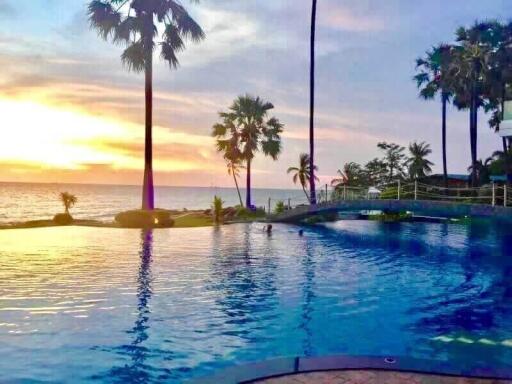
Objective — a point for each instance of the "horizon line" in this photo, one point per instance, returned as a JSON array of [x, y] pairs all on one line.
[[134, 185]]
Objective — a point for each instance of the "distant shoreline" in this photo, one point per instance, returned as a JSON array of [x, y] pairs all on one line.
[[50, 223]]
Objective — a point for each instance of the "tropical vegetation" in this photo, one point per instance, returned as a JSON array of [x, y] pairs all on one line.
[[280, 207], [434, 78], [394, 159], [302, 173], [394, 165], [68, 200], [245, 130], [351, 175], [418, 164], [234, 166], [141, 27], [217, 209], [474, 73]]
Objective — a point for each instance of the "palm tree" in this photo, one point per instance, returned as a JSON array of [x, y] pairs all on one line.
[[234, 166], [302, 173], [435, 77], [419, 165], [350, 176], [481, 170], [246, 129], [312, 107], [136, 24], [499, 80], [472, 60], [501, 163], [68, 200]]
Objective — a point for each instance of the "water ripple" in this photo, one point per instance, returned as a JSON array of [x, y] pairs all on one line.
[[124, 306]]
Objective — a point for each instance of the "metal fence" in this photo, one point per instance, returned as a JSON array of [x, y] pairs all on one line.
[[491, 194]]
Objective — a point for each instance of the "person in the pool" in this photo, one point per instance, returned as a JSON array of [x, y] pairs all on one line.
[[268, 229]]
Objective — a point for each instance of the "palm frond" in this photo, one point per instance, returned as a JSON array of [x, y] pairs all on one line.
[[134, 57], [219, 130], [168, 53], [103, 18], [271, 147]]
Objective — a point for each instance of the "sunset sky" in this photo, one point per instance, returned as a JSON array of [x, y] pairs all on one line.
[[70, 112]]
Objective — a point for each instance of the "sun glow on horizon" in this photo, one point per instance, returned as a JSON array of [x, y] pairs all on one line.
[[45, 136], [39, 135]]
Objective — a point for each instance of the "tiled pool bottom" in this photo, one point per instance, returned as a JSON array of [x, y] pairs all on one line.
[[374, 377]]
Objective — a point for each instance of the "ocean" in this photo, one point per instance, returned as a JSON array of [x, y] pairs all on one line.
[[37, 201]]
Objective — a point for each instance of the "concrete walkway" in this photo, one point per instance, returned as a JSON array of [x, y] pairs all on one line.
[[374, 377]]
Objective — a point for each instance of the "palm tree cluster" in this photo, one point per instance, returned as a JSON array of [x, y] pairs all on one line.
[[474, 73], [395, 164], [245, 130]]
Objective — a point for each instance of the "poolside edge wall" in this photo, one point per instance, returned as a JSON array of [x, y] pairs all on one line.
[[290, 366]]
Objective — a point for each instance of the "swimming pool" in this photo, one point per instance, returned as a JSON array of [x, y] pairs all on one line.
[[110, 305]]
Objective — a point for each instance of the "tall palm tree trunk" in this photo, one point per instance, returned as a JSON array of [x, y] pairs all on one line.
[[148, 193], [248, 191], [237, 188], [312, 108], [445, 165], [306, 192], [473, 117]]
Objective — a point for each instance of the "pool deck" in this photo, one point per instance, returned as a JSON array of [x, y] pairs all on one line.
[[359, 370], [373, 377]]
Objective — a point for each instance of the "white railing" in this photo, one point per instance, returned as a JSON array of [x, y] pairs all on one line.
[[492, 194]]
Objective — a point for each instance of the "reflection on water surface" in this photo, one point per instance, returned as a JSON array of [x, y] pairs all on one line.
[[106, 305]]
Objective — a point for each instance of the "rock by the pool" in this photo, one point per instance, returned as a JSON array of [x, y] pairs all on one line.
[[158, 218], [63, 219]]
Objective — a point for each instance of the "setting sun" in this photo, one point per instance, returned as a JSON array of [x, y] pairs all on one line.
[[49, 137]]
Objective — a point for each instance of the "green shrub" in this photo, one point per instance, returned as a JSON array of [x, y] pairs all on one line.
[[390, 193], [63, 219], [158, 218], [321, 218], [280, 207], [217, 208], [391, 216], [246, 214]]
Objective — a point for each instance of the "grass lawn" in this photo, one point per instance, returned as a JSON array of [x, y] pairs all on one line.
[[192, 220], [183, 220]]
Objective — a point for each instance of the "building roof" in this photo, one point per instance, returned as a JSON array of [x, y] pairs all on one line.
[[502, 178], [453, 176]]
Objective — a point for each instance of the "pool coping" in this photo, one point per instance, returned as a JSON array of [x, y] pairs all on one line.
[[296, 365]]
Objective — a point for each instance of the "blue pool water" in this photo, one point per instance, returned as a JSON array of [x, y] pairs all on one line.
[[121, 306]]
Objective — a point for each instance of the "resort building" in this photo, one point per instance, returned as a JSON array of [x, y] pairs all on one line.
[[506, 124]]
